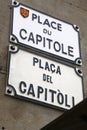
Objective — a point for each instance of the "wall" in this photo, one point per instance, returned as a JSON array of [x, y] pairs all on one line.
[[16, 114]]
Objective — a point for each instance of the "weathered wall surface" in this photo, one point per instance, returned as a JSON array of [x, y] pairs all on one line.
[[17, 114]]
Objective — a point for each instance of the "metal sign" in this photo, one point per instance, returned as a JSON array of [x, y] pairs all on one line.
[[44, 33], [35, 78]]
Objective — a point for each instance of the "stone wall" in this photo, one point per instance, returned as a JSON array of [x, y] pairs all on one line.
[[16, 114]]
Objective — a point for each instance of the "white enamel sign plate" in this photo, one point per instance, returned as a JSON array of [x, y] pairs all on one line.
[[41, 80], [44, 33]]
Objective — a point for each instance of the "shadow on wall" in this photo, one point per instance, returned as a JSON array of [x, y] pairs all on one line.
[[74, 119]]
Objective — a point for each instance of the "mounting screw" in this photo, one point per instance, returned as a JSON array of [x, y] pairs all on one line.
[[9, 91], [76, 27], [12, 39], [79, 71], [12, 47], [15, 3], [79, 61]]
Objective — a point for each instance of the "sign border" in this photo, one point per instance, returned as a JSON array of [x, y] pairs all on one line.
[[14, 49], [14, 39]]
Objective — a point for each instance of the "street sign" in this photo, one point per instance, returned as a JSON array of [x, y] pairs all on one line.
[[38, 79], [44, 33]]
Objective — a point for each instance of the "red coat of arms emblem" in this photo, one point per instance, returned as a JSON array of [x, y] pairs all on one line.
[[24, 12]]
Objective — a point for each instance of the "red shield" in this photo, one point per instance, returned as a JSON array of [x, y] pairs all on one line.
[[24, 12]]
